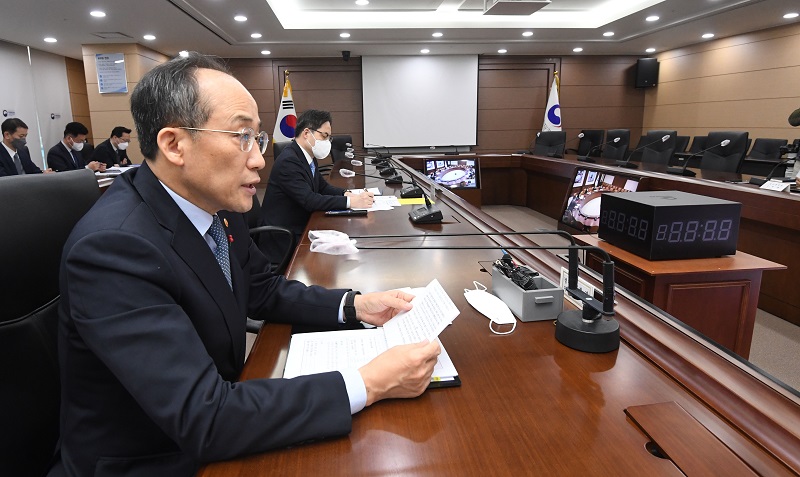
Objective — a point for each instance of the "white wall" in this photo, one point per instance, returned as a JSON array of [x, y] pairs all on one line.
[[32, 91]]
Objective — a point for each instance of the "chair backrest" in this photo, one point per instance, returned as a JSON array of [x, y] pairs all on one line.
[[725, 158], [37, 212], [549, 143], [636, 152], [698, 144], [655, 150], [681, 142], [339, 145], [276, 243], [591, 138], [767, 149], [277, 148], [616, 150]]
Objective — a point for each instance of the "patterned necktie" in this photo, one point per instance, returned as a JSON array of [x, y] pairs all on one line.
[[221, 252], [313, 168], [18, 164], [75, 160]]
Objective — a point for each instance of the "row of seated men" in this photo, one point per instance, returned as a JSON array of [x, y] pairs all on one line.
[[70, 153], [661, 146]]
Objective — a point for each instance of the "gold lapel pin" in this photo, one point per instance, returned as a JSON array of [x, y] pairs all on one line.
[[225, 221]]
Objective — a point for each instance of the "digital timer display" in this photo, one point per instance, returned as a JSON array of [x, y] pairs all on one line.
[[669, 224]]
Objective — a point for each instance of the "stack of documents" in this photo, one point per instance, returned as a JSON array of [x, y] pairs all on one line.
[[312, 353]]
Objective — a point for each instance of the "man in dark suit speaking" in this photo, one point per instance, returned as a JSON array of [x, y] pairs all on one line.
[[15, 159], [112, 151], [152, 329]]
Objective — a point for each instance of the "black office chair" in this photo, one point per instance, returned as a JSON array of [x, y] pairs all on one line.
[[656, 151], [277, 148], [37, 212], [681, 143], [636, 152], [592, 138], [549, 143], [616, 150], [339, 145], [767, 149], [725, 158], [698, 144]]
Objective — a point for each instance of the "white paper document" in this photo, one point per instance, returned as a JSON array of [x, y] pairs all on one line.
[[311, 353]]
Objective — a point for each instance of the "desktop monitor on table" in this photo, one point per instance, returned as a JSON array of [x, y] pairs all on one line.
[[454, 173], [581, 211]]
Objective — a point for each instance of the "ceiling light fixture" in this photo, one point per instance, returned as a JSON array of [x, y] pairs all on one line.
[[789, 16], [650, 50], [527, 33], [266, 52], [424, 51], [652, 18], [183, 53], [344, 35], [50, 39], [502, 51], [149, 37], [255, 35], [437, 34], [97, 13], [708, 35], [361, 3], [608, 33], [240, 18], [577, 50]]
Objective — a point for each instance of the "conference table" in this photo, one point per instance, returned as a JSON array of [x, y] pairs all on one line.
[[667, 402]]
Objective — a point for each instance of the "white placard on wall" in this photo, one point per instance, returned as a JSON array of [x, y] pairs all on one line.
[[111, 77]]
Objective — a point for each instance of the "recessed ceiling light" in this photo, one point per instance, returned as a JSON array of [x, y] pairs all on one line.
[[97, 13], [527, 33], [577, 50], [437, 34], [708, 35], [425, 51], [255, 35], [652, 18], [266, 52], [502, 51], [789, 16], [362, 2], [608, 33], [344, 35], [650, 50], [50, 39], [240, 18], [149, 37], [183, 53]]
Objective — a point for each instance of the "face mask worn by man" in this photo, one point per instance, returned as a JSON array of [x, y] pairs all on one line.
[[321, 148], [18, 143], [122, 146], [77, 146]]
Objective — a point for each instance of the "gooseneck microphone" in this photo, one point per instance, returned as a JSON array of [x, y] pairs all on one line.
[[598, 147], [627, 162], [759, 181], [682, 171], [390, 180], [564, 145]]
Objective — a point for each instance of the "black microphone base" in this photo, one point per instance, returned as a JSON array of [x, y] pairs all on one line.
[[377, 160], [758, 181], [555, 154], [411, 192], [389, 171], [427, 214], [595, 336], [586, 159], [627, 164], [680, 171], [393, 180]]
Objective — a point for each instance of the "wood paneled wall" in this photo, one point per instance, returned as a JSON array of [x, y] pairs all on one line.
[[596, 93], [78, 98], [744, 83]]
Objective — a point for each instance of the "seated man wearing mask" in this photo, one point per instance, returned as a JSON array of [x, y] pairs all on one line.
[[15, 159], [296, 188], [66, 155], [111, 152]]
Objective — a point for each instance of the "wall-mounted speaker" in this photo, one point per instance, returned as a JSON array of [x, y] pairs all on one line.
[[646, 72]]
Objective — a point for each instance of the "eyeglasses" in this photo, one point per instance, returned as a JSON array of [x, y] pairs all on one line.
[[247, 137], [325, 136]]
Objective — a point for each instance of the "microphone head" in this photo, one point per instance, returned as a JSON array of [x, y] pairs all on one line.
[[617, 139], [664, 139], [346, 173], [350, 149], [349, 155], [725, 142], [538, 134], [356, 162], [794, 118], [580, 136], [347, 144]]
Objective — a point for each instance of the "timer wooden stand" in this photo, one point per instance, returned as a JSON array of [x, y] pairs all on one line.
[[716, 296]]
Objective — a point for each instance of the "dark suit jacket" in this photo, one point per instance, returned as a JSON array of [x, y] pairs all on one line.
[[292, 193], [7, 167], [148, 374], [59, 159], [105, 152]]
